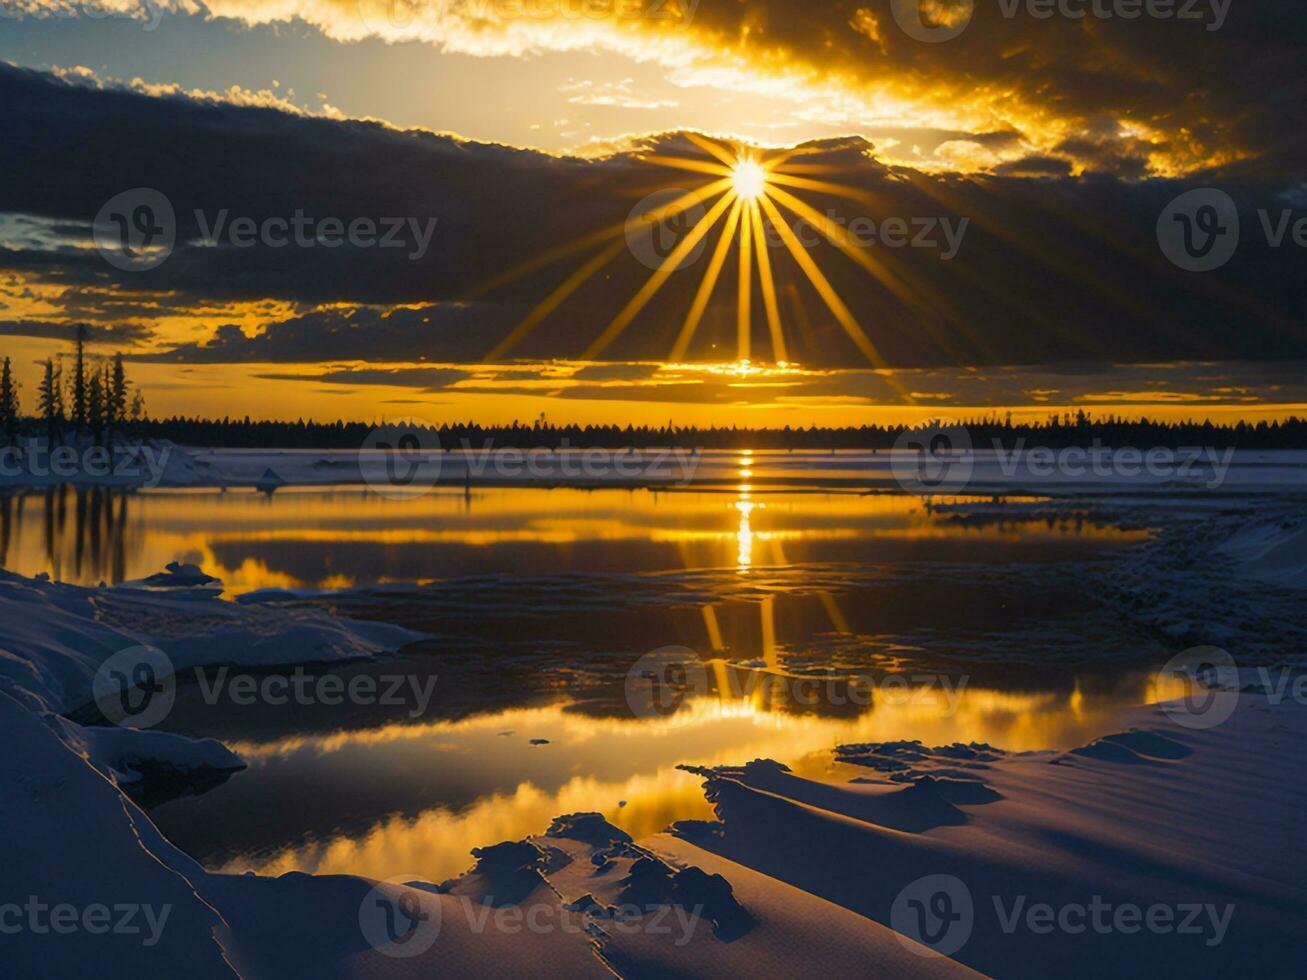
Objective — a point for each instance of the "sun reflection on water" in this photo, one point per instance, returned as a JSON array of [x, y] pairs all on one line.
[[626, 768]]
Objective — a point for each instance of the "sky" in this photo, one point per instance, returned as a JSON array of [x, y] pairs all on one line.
[[468, 208]]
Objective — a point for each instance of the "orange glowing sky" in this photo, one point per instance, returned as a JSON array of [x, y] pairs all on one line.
[[996, 114]]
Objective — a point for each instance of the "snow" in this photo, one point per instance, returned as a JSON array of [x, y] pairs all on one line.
[[1273, 551], [56, 636], [1159, 814], [797, 876], [1198, 470]]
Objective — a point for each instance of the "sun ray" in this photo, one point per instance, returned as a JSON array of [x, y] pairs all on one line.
[[822, 187], [687, 163], [900, 284], [723, 154], [655, 282], [749, 183], [547, 258], [782, 158], [824, 289], [768, 283], [744, 303], [710, 277], [838, 236], [551, 302], [803, 168]]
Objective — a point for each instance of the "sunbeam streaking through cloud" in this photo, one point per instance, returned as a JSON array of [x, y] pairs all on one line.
[[744, 198]]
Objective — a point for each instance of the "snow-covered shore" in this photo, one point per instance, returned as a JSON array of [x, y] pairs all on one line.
[[1163, 824], [1063, 472], [1169, 846]]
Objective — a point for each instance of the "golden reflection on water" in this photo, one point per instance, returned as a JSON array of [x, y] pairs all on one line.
[[650, 792], [252, 541]]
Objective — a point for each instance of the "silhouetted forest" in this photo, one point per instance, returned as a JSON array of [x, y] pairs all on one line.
[[1055, 432]]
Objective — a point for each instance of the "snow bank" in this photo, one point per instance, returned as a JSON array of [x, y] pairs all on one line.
[[1156, 817], [56, 636], [983, 471], [1275, 552]]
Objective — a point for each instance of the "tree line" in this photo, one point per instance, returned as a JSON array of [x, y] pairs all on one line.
[[1055, 432], [96, 398]]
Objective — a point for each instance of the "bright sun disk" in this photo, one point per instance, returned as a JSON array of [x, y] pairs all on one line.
[[748, 179]]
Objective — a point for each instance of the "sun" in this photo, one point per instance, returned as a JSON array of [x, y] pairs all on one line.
[[747, 189], [748, 179]]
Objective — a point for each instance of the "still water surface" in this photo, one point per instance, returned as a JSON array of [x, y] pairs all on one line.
[[539, 601]]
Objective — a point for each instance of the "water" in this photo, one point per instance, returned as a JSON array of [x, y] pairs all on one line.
[[539, 601]]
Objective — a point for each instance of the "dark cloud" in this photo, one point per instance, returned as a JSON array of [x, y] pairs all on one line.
[[120, 334], [1215, 84], [452, 332], [430, 379], [1035, 166], [1050, 267]]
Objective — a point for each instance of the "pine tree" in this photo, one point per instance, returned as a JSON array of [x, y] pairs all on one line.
[[95, 405], [8, 404], [118, 391], [80, 394], [115, 400], [52, 401]]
